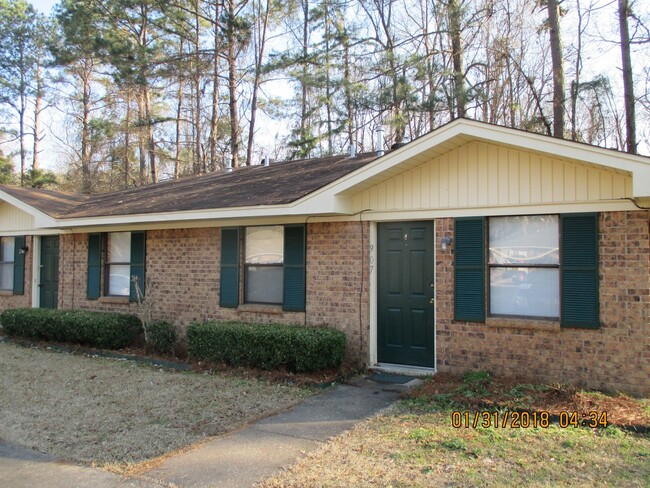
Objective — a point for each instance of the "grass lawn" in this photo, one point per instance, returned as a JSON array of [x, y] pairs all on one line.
[[416, 443], [117, 413]]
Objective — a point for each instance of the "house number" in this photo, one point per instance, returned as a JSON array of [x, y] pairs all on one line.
[[371, 257]]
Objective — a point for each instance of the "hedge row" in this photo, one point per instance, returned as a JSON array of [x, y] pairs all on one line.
[[101, 329], [267, 346]]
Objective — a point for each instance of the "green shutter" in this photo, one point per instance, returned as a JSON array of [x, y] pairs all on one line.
[[94, 266], [579, 270], [469, 269], [19, 266], [138, 260], [229, 287], [294, 268]]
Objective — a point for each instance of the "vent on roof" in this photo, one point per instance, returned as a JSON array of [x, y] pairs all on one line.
[[266, 161], [353, 151], [228, 161], [380, 140], [397, 145]]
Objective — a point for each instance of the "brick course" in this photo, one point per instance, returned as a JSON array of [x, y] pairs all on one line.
[[337, 282], [614, 357]]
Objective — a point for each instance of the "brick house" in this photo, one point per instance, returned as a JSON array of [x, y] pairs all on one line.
[[473, 247]]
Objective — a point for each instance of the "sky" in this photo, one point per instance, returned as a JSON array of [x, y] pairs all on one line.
[[44, 6]]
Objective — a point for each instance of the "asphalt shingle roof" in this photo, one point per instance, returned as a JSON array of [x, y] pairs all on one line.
[[276, 184]]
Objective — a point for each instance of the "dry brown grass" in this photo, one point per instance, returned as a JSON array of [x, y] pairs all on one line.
[[416, 444], [110, 412]]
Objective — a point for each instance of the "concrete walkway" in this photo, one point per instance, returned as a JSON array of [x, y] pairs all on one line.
[[238, 459]]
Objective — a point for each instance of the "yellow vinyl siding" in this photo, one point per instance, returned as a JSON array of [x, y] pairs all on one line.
[[13, 219], [480, 174]]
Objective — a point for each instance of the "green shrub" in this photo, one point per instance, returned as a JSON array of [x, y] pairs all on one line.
[[267, 346], [102, 329], [161, 337]]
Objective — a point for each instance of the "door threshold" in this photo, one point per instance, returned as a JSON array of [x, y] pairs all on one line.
[[403, 369]]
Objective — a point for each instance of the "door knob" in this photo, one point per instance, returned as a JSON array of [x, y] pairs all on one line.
[[432, 301]]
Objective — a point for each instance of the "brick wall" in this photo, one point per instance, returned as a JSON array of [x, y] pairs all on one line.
[[7, 298], [614, 357], [337, 282], [182, 278]]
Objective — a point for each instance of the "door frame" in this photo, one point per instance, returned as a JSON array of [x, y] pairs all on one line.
[[36, 271], [36, 266], [374, 304]]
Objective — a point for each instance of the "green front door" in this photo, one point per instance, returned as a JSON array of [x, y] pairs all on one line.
[[49, 285], [405, 319]]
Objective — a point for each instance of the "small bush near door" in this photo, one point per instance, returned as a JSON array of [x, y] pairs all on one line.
[[161, 337], [267, 346], [101, 329]]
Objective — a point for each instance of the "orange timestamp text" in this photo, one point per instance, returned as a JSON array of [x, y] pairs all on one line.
[[525, 419]]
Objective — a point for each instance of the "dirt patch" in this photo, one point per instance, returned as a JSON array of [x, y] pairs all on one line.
[[114, 411], [485, 391]]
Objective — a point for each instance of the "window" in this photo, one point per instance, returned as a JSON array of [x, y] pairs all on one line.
[[118, 263], [264, 264], [7, 253], [273, 266], [524, 266], [540, 266], [113, 260]]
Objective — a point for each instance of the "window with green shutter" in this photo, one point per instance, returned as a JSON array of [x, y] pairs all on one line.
[[294, 268], [137, 263], [94, 281], [12, 264], [274, 266], [539, 266], [229, 288], [579, 282], [469, 269], [121, 256], [19, 265], [524, 266]]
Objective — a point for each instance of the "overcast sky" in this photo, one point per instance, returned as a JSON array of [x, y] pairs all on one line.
[[43, 5]]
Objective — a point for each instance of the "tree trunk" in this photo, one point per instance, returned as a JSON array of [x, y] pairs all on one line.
[[86, 182], [200, 161], [457, 58], [305, 69], [232, 85], [347, 84], [328, 81], [575, 84], [142, 145], [179, 108], [21, 118], [628, 83], [215, 90], [151, 146], [38, 103], [558, 68], [259, 59], [127, 139]]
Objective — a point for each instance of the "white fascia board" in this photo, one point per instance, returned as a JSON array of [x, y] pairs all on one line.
[[40, 217], [638, 166], [337, 205]]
